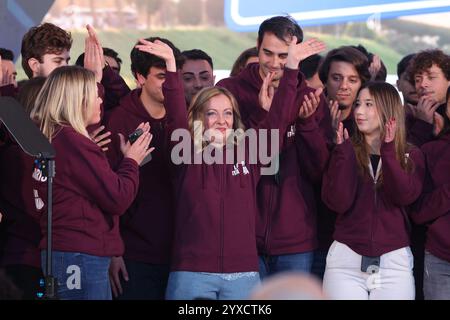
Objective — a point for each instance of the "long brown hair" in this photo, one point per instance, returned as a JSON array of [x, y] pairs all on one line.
[[389, 105]]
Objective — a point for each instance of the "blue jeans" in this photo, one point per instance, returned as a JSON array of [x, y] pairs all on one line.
[[185, 285], [80, 276], [269, 265], [146, 281], [436, 278]]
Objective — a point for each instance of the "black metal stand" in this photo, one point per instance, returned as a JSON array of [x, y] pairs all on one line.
[[33, 142], [47, 166]]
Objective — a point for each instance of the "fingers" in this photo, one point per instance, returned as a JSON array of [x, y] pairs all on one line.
[[116, 281], [318, 92], [315, 46], [271, 92], [339, 133], [145, 126], [346, 136], [122, 141], [94, 133], [93, 35], [103, 143], [113, 287]]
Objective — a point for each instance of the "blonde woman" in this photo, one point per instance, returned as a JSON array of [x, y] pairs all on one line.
[[369, 181], [214, 251], [88, 196]]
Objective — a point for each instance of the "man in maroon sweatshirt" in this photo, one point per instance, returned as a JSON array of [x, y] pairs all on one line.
[[286, 222], [146, 227]]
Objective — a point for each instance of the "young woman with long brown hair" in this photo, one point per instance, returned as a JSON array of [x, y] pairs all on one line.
[[369, 181]]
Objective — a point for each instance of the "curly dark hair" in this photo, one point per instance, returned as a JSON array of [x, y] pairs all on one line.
[[141, 62], [424, 60], [43, 39]]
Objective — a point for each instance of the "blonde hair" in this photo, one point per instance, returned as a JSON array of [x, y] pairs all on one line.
[[66, 99], [389, 105], [196, 111]]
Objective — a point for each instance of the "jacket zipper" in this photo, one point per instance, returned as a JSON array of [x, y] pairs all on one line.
[[222, 227], [268, 222], [375, 177]]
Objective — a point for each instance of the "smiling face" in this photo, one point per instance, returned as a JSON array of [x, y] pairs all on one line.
[[366, 113], [197, 74], [343, 83], [272, 55], [218, 115]]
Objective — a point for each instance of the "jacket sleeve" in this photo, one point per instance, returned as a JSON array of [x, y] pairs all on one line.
[[112, 191], [312, 148], [432, 204], [284, 109], [9, 91], [115, 88], [340, 180], [419, 132], [402, 187]]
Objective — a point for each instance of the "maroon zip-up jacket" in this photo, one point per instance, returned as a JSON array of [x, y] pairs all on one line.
[[286, 222], [419, 132], [371, 220], [216, 206], [147, 225], [433, 207], [88, 197]]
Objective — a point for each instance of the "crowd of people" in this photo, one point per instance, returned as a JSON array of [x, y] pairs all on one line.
[[188, 208]]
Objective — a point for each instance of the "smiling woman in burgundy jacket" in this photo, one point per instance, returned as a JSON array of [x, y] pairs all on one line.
[[214, 252], [369, 182], [88, 196]]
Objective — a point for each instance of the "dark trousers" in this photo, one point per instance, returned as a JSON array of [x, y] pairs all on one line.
[[146, 281]]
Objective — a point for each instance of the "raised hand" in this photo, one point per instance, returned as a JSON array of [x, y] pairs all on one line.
[[341, 134], [267, 92], [336, 114], [298, 52], [389, 130], [6, 77], [374, 67], [424, 110], [309, 105], [159, 49], [439, 123], [93, 54], [101, 139], [140, 148]]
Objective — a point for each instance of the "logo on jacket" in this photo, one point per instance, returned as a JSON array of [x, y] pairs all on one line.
[[236, 171], [37, 175], [38, 203], [291, 131]]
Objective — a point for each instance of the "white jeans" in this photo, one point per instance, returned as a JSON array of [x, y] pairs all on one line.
[[344, 280]]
